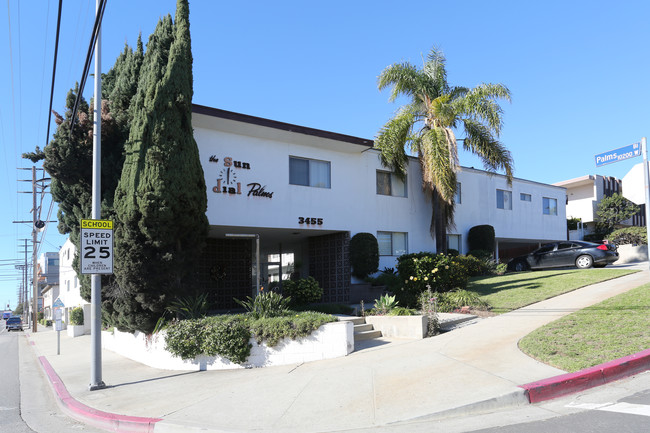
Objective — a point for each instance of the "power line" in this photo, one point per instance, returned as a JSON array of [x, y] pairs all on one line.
[[56, 52], [91, 50]]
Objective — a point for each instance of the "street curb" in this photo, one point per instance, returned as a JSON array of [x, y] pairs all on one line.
[[511, 399], [94, 417], [569, 383]]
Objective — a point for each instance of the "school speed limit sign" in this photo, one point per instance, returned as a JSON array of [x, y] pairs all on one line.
[[96, 247]]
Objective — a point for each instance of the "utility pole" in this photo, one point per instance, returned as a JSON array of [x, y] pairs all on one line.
[[96, 381], [36, 224]]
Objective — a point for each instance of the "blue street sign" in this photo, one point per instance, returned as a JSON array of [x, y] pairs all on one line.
[[58, 303], [620, 154]]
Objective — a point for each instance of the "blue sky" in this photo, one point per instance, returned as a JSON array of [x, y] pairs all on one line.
[[578, 72]]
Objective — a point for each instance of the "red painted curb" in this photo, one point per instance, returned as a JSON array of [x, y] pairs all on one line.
[[97, 418], [569, 383]]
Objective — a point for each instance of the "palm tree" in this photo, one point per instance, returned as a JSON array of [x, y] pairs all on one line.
[[426, 126]]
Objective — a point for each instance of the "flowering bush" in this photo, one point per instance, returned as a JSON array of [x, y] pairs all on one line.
[[419, 270]]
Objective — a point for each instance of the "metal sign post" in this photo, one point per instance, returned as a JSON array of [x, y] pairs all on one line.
[[646, 178]]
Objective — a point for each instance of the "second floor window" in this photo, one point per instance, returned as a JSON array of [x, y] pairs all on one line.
[[549, 206], [390, 184], [309, 172], [504, 199]]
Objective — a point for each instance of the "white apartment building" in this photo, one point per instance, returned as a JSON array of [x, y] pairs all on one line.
[[306, 192], [69, 285]]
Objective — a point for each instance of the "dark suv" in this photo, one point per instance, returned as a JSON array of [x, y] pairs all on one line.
[[15, 323]]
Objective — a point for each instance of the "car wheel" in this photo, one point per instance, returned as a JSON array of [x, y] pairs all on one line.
[[584, 262], [521, 266]]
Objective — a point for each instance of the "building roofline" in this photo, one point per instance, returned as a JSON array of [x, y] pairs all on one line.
[[268, 123]]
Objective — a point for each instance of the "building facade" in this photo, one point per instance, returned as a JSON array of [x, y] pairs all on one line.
[[306, 192], [69, 285]]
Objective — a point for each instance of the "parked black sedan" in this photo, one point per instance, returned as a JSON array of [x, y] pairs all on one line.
[[568, 253]]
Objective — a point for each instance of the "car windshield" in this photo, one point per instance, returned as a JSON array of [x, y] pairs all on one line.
[[13, 320]]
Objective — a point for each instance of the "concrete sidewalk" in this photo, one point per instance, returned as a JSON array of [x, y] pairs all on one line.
[[469, 370]]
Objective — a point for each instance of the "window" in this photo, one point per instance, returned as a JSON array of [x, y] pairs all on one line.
[[390, 184], [453, 242], [504, 199], [392, 243], [67, 285], [457, 196], [309, 172], [525, 197], [549, 206]]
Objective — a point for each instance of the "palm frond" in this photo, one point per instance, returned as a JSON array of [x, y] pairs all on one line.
[[435, 69], [392, 140], [438, 165], [480, 103], [480, 141], [404, 77]]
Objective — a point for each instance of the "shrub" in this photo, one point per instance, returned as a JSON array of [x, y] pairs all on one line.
[[453, 300], [329, 308], [402, 311], [420, 271], [266, 304], [364, 254], [384, 305], [228, 336], [481, 238], [481, 254], [474, 265], [184, 338], [388, 279], [77, 316], [225, 336], [303, 291], [629, 235], [190, 307], [40, 316], [273, 330]]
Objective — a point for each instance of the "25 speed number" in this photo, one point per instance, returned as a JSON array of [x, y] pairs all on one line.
[[310, 221]]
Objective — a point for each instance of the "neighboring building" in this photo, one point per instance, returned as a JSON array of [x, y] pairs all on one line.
[[50, 294], [306, 192], [47, 274], [634, 190], [69, 285], [585, 193]]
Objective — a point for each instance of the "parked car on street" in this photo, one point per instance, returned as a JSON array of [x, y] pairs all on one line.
[[15, 323], [581, 254]]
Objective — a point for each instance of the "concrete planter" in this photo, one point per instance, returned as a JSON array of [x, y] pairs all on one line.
[[331, 340], [75, 330], [414, 327], [632, 254]]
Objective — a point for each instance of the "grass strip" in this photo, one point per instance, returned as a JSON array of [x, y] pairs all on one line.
[[614, 328], [512, 291]]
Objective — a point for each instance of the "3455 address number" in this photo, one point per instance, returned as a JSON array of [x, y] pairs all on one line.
[[310, 220]]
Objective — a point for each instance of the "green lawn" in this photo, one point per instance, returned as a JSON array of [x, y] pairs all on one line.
[[616, 327], [511, 291]]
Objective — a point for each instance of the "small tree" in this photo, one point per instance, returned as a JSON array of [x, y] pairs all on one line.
[[481, 238], [613, 210], [364, 254]]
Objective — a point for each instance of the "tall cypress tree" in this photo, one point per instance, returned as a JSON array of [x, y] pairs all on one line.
[[160, 200], [68, 159]]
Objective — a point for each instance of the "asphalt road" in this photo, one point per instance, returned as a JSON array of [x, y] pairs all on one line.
[[28, 403], [10, 419]]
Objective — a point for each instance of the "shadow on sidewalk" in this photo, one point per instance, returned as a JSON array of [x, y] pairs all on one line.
[[151, 380]]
